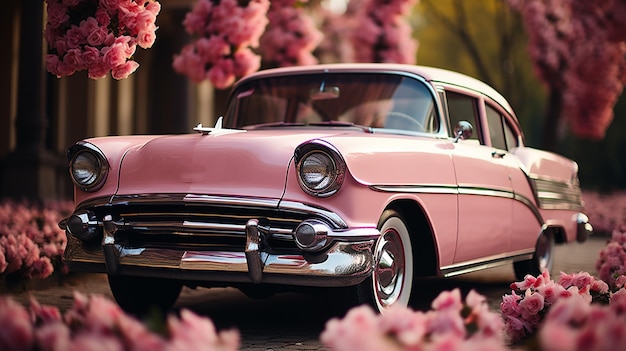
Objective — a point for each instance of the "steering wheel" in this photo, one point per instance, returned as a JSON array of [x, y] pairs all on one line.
[[402, 121]]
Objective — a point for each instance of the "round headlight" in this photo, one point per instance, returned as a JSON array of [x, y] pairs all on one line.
[[317, 171], [88, 170], [85, 168], [321, 170]]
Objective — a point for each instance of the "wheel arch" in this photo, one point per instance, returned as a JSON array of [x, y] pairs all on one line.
[[425, 252], [557, 231]]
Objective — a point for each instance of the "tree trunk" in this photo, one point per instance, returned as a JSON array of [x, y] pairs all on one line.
[[550, 137]]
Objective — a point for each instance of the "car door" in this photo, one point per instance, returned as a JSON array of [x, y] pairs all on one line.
[[505, 139], [484, 185]]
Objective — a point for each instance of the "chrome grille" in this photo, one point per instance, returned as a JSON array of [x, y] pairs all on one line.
[[197, 225], [557, 195]]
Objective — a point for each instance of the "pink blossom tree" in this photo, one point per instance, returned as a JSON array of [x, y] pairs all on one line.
[[290, 37], [225, 32], [99, 36], [377, 30], [578, 49]]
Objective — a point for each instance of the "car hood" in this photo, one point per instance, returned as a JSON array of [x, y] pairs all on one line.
[[252, 163]]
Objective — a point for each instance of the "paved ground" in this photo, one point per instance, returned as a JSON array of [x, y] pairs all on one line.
[[294, 321]]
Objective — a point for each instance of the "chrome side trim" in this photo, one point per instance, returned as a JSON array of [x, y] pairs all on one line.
[[461, 190], [420, 189], [489, 262]]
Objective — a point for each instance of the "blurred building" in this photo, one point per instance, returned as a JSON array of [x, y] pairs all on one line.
[[41, 115]]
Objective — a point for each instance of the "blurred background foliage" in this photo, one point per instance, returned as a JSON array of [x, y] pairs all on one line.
[[486, 39]]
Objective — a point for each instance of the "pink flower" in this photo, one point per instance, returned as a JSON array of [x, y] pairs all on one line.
[[531, 305], [146, 37], [98, 36], [409, 327], [448, 300], [528, 282], [98, 70], [222, 74], [57, 14], [124, 70], [53, 336], [551, 292], [510, 304], [52, 64], [16, 332], [114, 55], [74, 58]]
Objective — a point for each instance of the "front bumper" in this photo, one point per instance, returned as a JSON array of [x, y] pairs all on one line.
[[343, 263]]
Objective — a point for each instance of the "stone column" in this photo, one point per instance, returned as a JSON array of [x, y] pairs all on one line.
[[30, 171]]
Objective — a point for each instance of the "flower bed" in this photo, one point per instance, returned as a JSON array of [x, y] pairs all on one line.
[[31, 243], [96, 323]]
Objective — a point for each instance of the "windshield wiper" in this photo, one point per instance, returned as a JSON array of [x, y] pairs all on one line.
[[342, 124], [276, 124]]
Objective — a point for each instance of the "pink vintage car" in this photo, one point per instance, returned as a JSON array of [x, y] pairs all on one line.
[[363, 176]]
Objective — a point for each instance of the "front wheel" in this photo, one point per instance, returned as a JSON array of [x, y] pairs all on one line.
[[391, 282], [543, 258], [140, 295]]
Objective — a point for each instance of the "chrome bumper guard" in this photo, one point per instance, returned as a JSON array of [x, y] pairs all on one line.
[[584, 229], [345, 263]]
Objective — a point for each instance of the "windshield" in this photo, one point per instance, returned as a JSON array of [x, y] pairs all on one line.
[[375, 100]]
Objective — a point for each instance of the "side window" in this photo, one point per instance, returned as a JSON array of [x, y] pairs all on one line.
[[501, 134], [511, 138], [462, 108], [496, 129]]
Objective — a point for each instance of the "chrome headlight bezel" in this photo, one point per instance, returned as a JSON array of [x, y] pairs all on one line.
[[320, 168], [87, 158]]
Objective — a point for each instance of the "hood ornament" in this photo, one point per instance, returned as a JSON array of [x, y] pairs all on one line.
[[217, 129]]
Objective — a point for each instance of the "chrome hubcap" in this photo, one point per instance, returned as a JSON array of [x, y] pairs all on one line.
[[545, 246], [389, 274]]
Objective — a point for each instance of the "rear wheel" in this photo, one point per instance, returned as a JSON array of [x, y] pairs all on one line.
[[140, 295], [391, 282], [543, 258]]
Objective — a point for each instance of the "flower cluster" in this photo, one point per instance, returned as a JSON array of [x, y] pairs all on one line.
[[605, 211], [611, 263], [99, 36], [96, 323], [382, 34], [452, 324], [572, 324], [524, 313], [290, 37], [31, 244], [224, 31]]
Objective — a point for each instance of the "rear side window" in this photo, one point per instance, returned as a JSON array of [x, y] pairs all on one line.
[[501, 134]]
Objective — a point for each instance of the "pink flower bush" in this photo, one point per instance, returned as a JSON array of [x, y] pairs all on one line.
[[452, 324], [290, 37], [525, 308], [31, 243], [611, 263], [99, 36], [224, 32], [606, 211], [382, 34], [97, 323], [572, 325]]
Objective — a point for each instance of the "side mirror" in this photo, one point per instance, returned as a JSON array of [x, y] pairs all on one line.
[[463, 130]]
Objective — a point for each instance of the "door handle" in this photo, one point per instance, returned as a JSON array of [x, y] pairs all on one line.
[[497, 154]]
